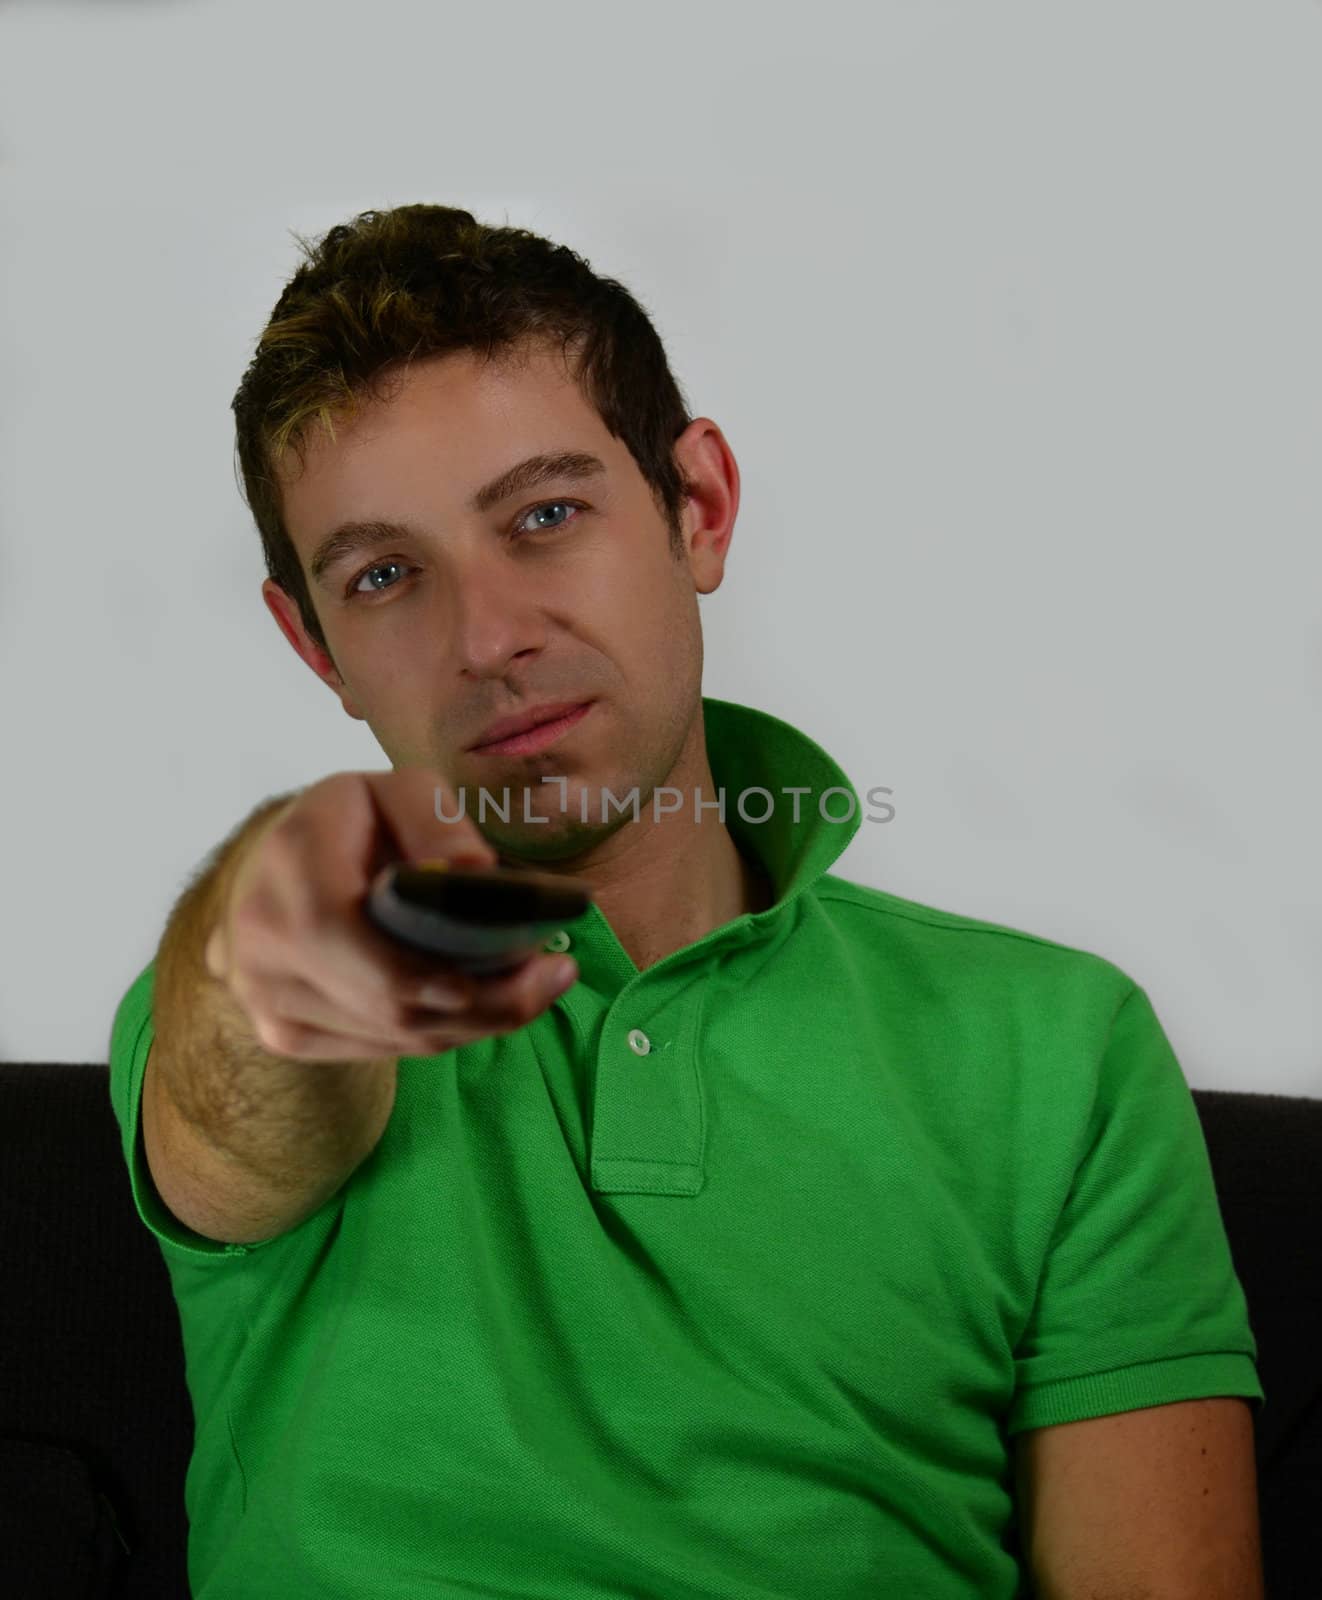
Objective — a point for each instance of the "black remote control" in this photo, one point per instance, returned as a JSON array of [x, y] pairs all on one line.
[[484, 920]]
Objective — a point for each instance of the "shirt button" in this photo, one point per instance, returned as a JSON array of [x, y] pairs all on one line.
[[559, 940], [639, 1042]]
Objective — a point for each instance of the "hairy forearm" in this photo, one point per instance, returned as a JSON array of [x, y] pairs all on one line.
[[289, 1120]]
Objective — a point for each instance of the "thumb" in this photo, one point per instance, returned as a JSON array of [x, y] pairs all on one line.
[[407, 801]]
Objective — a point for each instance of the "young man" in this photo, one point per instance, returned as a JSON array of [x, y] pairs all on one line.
[[812, 1241]]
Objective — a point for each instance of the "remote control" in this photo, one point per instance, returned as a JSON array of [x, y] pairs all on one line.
[[484, 920]]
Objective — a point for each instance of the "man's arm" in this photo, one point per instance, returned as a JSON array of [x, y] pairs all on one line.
[[1155, 1504]]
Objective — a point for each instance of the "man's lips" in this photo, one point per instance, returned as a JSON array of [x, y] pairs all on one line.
[[533, 731]]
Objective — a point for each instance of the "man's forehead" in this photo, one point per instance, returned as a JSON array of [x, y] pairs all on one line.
[[431, 386], [539, 364], [533, 429], [513, 390]]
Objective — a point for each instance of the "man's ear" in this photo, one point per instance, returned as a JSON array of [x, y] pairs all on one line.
[[708, 466], [290, 622]]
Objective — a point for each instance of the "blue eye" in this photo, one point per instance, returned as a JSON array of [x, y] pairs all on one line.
[[550, 505], [381, 566], [572, 506]]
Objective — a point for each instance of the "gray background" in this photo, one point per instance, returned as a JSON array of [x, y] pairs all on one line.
[[1011, 317]]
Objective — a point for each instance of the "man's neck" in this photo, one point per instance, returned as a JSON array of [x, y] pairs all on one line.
[[672, 891], [664, 882]]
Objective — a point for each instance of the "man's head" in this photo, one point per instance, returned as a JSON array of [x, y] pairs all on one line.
[[449, 353]]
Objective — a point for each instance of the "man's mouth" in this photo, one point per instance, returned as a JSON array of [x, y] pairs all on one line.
[[551, 723]]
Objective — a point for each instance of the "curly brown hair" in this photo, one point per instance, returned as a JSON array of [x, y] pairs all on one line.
[[425, 280]]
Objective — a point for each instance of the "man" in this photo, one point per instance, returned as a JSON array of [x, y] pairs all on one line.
[[812, 1241]]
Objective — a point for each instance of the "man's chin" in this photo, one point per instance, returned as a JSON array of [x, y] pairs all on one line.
[[562, 836]]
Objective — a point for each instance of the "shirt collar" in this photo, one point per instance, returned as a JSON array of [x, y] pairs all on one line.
[[755, 758]]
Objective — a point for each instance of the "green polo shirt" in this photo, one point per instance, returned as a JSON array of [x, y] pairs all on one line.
[[731, 1277]]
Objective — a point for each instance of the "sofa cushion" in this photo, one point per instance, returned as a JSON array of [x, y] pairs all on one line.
[[61, 1537]]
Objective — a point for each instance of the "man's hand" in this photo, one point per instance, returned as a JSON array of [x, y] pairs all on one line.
[[313, 976]]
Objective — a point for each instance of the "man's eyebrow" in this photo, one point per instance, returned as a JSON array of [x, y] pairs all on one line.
[[343, 541]]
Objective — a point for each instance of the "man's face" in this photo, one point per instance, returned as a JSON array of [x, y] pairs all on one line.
[[567, 590]]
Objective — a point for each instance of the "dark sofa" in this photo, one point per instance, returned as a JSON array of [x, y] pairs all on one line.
[[96, 1425]]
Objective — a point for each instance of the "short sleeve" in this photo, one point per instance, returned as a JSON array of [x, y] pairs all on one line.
[[130, 1039], [1138, 1302]]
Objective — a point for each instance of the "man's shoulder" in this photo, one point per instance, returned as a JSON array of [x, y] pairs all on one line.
[[888, 922]]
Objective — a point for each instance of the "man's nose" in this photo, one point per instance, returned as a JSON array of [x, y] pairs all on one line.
[[495, 618]]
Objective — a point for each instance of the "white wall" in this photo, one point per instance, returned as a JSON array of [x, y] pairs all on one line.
[[1010, 313]]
